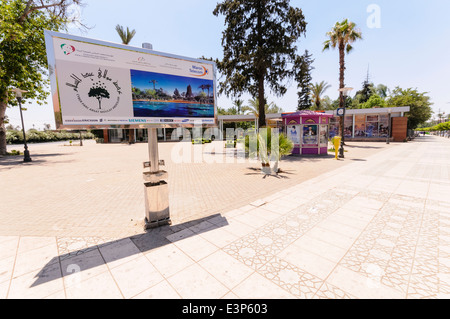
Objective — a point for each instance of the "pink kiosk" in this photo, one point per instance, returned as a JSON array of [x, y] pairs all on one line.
[[308, 130]]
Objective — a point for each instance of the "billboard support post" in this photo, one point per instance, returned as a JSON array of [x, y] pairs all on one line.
[[156, 187], [153, 150]]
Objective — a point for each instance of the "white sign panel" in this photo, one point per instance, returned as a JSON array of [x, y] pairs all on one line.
[[97, 83]]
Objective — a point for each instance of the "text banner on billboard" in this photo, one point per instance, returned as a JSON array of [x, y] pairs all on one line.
[[102, 84]]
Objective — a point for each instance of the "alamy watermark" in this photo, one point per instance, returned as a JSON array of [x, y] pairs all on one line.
[[229, 146], [374, 18]]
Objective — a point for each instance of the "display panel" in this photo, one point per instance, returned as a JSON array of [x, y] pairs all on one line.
[[101, 84], [372, 126], [323, 135], [310, 135], [383, 123], [293, 133]]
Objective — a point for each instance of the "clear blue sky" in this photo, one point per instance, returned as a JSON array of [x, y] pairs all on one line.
[[410, 49]]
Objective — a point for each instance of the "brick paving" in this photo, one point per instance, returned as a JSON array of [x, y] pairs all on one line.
[[98, 188]]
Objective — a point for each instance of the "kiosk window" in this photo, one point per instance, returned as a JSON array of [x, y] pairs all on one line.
[[310, 134]]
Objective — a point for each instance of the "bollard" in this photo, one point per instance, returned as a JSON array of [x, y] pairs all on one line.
[[336, 143]]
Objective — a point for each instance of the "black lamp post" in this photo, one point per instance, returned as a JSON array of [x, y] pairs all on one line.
[[344, 92], [26, 153]]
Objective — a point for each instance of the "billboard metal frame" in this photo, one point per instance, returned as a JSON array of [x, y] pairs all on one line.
[[50, 35]]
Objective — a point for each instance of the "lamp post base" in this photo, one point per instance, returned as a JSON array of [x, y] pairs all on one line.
[[341, 151], [26, 156]]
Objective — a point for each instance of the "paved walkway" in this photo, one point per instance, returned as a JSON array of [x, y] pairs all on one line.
[[70, 191], [377, 227]]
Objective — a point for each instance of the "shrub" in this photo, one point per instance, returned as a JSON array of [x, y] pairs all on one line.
[[35, 136]]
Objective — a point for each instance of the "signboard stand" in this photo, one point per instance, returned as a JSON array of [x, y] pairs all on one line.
[[156, 188], [97, 85]]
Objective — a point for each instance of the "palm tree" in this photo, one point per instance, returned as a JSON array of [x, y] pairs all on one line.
[[208, 86], [253, 108], [125, 36], [317, 90], [342, 35], [154, 84], [238, 103]]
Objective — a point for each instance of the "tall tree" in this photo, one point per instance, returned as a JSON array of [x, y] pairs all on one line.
[[303, 78], [239, 105], [154, 84], [317, 90], [419, 103], [23, 59], [253, 108], [259, 46], [341, 36], [125, 35], [382, 90]]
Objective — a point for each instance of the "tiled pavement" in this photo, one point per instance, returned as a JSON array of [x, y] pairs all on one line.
[[374, 228]]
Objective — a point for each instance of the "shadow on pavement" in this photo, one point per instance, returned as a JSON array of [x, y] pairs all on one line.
[[16, 160], [83, 260], [363, 147]]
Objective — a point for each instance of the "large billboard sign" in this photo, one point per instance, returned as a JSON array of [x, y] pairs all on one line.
[[102, 84]]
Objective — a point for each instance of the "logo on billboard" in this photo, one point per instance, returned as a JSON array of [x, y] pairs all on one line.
[[98, 87], [198, 70], [67, 48]]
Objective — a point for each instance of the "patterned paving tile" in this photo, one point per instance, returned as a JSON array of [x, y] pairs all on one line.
[[296, 281]]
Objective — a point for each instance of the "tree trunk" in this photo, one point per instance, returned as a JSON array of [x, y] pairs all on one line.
[[261, 103], [260, 66], [341, 72], [131, 137], [341, 83], [3, 105]]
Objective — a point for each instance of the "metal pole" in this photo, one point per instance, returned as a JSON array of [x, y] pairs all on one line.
[[153, 150], [26, 153], [341, 148], [389, 129], [81, 139]]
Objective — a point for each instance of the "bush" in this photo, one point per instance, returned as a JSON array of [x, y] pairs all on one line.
[[35, 136], [264, 139]]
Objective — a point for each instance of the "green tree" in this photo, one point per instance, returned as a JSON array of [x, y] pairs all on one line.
[[253, 108], [125, 35], [239, 105], [303, 78], [259, 47], [382, 90], [374, 101], [23, 59], [327, 103], [341, 36], [419, 103], [317, 90]]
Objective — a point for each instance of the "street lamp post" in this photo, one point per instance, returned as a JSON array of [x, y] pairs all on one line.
[[344, 92], [26, 153], [388, 139]]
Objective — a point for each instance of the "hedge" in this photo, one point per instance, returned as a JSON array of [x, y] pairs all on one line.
[[35, 136]]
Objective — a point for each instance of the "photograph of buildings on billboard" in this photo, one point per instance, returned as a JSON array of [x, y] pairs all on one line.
[[165, 95]]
